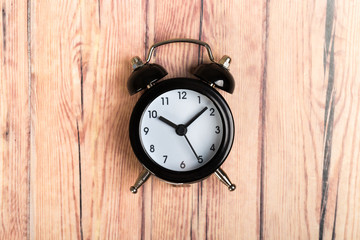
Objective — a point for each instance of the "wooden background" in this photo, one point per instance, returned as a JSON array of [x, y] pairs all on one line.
[[66, 163]]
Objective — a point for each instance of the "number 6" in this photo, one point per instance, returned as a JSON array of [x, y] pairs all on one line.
[[182, 165]]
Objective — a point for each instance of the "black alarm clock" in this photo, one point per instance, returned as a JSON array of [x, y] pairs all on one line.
[[181, 129]]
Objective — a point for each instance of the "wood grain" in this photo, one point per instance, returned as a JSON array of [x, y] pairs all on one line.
[[342, 219], [293, 120], [112, 33], [55, 110], [66, 162], [14, 121]]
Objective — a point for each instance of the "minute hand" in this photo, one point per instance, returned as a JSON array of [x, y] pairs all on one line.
[[195, 117], [192, 148]]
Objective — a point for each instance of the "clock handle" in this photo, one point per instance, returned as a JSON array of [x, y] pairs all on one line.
[[143, 176], [225, 179], [183, 40]]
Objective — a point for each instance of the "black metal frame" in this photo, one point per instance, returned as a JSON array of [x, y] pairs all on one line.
[[213, 164]]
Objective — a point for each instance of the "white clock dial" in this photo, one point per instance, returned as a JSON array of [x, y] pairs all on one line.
[[181, 130]]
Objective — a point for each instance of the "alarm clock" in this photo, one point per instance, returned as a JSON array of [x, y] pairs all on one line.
[[181, 129]]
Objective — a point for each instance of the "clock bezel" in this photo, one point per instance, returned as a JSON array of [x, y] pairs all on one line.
[[214, 163]]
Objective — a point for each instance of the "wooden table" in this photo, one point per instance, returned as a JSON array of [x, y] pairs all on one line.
[[66, 162]]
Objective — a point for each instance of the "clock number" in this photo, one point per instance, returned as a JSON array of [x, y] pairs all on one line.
[[165, 101], [182, 165], [200, 159], [212, 112], [152, 148], [182, 95], [217, 130], [152, 114], [165, 158], [199, 99], [146, 130], [212, 147]]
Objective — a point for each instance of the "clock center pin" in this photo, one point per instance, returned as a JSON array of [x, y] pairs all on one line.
[[181, 130]]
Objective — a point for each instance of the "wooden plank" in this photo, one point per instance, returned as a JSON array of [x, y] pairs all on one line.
[[341, 220], [14, 121], [294, 98], [173, 213], [230, 29], [112, 33], [66, 162], [55, 113]]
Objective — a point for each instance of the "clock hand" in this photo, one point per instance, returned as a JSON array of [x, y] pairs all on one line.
[[168, 122], [195, 117], [179, 129], [191, 147]]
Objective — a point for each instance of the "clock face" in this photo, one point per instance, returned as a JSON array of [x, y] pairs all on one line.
[[181, 130]]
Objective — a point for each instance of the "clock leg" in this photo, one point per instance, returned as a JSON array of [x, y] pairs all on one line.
[[143, 176], [225, 179]]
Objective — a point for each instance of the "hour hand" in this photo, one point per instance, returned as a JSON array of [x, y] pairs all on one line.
[[168, 122], [196, 116]]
